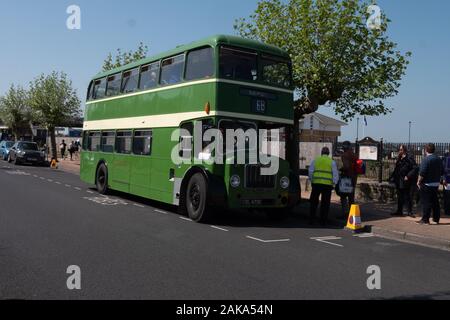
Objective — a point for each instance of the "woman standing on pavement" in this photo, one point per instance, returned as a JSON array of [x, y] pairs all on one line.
[[405, 178]]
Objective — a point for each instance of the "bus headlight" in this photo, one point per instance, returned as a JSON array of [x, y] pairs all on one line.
[[235, 181], [284, 182]]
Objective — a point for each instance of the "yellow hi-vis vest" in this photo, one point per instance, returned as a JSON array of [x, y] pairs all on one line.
[[323, 171]]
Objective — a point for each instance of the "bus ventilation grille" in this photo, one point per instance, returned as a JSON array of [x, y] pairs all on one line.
[[254, 179]]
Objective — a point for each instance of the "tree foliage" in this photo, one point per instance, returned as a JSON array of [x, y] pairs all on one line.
[[54, 102], [15, 111], [337, 60], [122, 58]]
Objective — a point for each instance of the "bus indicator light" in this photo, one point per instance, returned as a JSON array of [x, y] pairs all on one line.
[[207, 108]]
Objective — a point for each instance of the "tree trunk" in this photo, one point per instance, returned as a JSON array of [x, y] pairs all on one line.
[[53, 143], [293, 148], [301, 108]]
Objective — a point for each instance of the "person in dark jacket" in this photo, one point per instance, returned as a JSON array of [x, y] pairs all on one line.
[[430, 178], [405, 179], [447, 184]]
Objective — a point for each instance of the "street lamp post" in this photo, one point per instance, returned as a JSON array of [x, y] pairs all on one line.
[[409, 135], [357, 130]]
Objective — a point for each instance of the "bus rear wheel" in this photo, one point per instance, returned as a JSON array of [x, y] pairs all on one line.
[[101, 179], [196, 194]]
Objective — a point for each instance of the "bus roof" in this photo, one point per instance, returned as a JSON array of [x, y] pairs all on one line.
[[212, 41]]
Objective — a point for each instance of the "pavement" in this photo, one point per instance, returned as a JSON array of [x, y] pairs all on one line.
[[132, 248], [377, 216]]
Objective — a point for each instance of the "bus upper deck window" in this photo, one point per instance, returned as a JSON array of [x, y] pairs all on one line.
[[200, 64], [172, 70], [130, 80], [149, 76]]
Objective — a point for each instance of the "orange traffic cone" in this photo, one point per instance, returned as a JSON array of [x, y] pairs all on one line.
[[354, 220], [54, 164]]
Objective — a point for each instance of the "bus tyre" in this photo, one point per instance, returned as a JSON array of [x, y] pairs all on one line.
[[101, 179], [196, 198]]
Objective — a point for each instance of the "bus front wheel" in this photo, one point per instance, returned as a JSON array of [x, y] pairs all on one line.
[[196, 194], [101, 179]]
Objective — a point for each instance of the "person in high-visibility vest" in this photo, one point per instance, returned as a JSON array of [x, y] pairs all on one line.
[[323, 174]]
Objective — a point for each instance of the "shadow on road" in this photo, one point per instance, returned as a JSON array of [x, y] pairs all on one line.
[[239, 218]]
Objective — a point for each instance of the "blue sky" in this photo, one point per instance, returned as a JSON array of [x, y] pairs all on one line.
[[34, 39]]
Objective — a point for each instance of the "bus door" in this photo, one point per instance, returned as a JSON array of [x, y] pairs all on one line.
[[120, 173], [141, 167]]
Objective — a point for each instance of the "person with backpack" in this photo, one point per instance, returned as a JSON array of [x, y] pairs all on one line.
[[72, 150], [62, 148], [404, 177], [346, 186]]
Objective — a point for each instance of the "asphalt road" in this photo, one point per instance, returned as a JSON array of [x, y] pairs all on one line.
[[132, 248]]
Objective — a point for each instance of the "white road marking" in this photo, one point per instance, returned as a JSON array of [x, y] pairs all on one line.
[[160, 211], [35, 176], [42, 178], [364, 235], [268, 241], [105, 201], [49, 180], [326, 240], [78, 189], [89, 191], [186, 219], [138, 205], [68, 186], [57, 182], [218, 228]]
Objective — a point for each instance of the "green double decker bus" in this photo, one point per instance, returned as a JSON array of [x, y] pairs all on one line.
[[222, 82]]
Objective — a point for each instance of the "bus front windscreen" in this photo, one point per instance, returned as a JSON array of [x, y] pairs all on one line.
[[275, 71], [243, 65]]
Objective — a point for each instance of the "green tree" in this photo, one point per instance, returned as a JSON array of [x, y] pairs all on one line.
[[54, 102], [122, 58], [15, 111], [338, 61]]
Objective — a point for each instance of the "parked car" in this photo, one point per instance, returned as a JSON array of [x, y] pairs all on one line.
[[26, 152], [4, 149]]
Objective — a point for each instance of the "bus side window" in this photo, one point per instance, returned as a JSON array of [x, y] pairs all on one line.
[[108, 139], [90, 95], [100, 88], [124, 142], [84, 146], [130, 81], [172, 70], [113, 88], [186, 139], [142, 143], [94, 141], [200, 64], [149, 76]]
